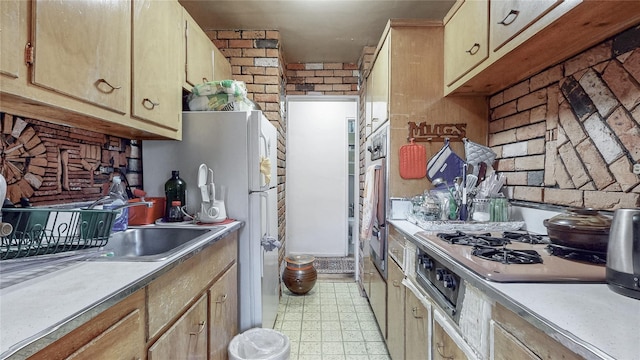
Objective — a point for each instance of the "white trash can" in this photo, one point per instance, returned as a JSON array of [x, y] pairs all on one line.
[[260, 344]]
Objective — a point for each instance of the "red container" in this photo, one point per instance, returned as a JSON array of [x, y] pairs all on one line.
[[142, 215]]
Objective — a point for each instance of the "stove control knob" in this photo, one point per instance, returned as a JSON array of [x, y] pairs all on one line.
[[427, 263], [449, 282], [440, 274]]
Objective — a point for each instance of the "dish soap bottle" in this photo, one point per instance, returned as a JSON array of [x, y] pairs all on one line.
[[175, 189], [119, 196]]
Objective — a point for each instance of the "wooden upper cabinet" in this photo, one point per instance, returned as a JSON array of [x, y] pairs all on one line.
[[199, 53], [466, 39], [82, 49], [511, 17], [221, 66], [380, 89], [12, 29], [157, 62]]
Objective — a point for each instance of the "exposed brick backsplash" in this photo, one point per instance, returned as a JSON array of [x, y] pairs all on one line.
[[570, 135], [322, 79], [55, 164]]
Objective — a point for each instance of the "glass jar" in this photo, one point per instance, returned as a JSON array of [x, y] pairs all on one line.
[[481, 210]]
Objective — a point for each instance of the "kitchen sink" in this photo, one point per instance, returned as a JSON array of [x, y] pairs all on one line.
[[153, 243]]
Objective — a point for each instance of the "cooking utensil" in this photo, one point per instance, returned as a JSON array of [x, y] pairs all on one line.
[[584, 229], [623, 253]]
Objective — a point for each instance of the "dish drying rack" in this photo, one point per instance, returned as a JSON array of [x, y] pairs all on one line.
[[48, 231]]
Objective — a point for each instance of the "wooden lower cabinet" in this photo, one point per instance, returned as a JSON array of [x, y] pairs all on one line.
[[378, 299], [507, 347], [417, 325], [223, 313], [444, 346], [117, 333], [395, 311], [511, 326], [190, 312], [187, 338]]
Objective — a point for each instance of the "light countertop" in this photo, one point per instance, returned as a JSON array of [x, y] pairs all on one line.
[[589, 319], [37, 312]]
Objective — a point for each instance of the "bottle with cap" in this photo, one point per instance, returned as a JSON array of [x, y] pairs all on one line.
[[175, 189]]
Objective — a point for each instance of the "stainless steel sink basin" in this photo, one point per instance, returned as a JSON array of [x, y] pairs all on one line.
[[153, 244]]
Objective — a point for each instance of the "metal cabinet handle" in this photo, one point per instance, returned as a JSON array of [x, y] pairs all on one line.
[[222, 299], [395, 251], [414, 312], [149, 104], [201, 326], [396, 283], [103, 81], [474, 49], [441, 352], [510, 18]]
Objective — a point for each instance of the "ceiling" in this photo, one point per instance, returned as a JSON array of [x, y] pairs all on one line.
[[315, 31]]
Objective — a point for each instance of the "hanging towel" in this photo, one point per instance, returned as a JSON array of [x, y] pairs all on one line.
[[369, 203]]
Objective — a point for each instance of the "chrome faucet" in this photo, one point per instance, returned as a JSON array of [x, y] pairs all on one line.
[[104, 199]]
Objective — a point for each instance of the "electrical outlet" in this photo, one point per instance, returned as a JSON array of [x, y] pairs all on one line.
[[636, 169]]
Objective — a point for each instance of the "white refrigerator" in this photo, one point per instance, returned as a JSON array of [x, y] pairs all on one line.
[[233, 144]]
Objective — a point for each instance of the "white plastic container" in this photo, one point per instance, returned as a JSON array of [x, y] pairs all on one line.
[[260, 344]]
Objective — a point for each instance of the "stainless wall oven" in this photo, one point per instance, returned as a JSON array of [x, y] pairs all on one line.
[[377, 147]]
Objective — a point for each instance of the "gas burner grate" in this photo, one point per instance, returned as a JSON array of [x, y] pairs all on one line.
[[525, 237], [507, 256], [461, 238], [569, 253]]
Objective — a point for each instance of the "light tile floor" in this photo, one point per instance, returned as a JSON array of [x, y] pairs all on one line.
[[331, 322]]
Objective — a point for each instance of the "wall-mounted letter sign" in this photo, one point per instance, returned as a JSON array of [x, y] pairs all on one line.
[[423, 132]]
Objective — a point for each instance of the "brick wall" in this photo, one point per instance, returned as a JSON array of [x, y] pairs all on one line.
[[56, 164], [322, 79], [570, 135]]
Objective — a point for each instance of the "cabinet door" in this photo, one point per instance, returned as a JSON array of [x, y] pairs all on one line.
[[445, 346], [511, 17], [506, 347], [368, 103], [466, 39], [13, 26], [187, 338], [378, 299], [223, 313], [221, 66], [157, 66], [396, 245], [380, 89], [123, 340], [82, 49], [395, 311], [417, 320], [198, 51]]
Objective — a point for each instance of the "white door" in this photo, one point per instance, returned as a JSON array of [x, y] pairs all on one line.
[[317, 175]]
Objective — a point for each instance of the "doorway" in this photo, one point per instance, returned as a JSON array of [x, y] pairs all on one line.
[[321, 177]]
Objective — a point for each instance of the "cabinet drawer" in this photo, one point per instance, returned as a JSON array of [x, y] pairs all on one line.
[[397, 242], [170, 293], [466, 40], [506, 346], [511, 17]]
